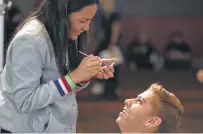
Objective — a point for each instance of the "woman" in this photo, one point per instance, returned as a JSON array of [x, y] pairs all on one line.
[[43, 69]]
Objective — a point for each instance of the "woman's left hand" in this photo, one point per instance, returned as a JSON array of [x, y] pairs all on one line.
[[106, 72]]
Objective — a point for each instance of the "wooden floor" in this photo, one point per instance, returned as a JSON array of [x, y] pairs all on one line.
[[99, 116]]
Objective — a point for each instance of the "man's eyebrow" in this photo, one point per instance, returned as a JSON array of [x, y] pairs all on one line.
[[140, 97]]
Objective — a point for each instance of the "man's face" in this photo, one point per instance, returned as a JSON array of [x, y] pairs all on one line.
[[136, 111]]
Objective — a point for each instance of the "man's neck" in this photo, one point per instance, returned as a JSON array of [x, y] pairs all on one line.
[[128, 130]]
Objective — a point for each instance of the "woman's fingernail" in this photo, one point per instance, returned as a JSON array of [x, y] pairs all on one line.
[[112, 63]]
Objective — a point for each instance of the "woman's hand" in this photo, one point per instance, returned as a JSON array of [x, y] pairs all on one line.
[[87, 69], [106, 71]]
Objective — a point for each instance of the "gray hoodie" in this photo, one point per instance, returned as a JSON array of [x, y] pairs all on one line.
[[34, 97]]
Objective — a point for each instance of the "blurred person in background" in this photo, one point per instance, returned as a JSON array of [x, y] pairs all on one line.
[[13, 19], [200, 75], [107, 22], [110, 47], [105, 8], [141, 53], [154, 111], [178, 54]]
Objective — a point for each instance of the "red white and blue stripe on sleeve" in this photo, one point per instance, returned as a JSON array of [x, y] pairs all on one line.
[[63, 86]]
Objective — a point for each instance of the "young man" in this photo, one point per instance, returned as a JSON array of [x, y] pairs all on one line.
[[154, 111]]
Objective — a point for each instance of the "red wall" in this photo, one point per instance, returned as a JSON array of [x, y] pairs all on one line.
[[159, 28]]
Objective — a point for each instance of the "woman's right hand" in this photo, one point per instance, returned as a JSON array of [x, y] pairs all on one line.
[[87, 69]]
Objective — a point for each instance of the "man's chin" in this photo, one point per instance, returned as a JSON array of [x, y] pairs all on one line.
[[118, 120]]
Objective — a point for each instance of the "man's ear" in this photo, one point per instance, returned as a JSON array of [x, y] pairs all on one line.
[[153, 122]]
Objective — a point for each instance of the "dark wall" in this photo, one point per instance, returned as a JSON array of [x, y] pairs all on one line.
[[26, 6], [161, 7]]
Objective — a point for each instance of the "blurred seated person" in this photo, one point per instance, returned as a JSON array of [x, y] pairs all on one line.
[[154, 111], [177, 53], [141, 54]]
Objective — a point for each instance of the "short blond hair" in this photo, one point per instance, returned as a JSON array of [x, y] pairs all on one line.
[[168, 108]]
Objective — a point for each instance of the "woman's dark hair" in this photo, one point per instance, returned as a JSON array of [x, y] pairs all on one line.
[[54, 14]]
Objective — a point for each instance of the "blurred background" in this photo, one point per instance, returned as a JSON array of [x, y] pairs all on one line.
[[154, 40]]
